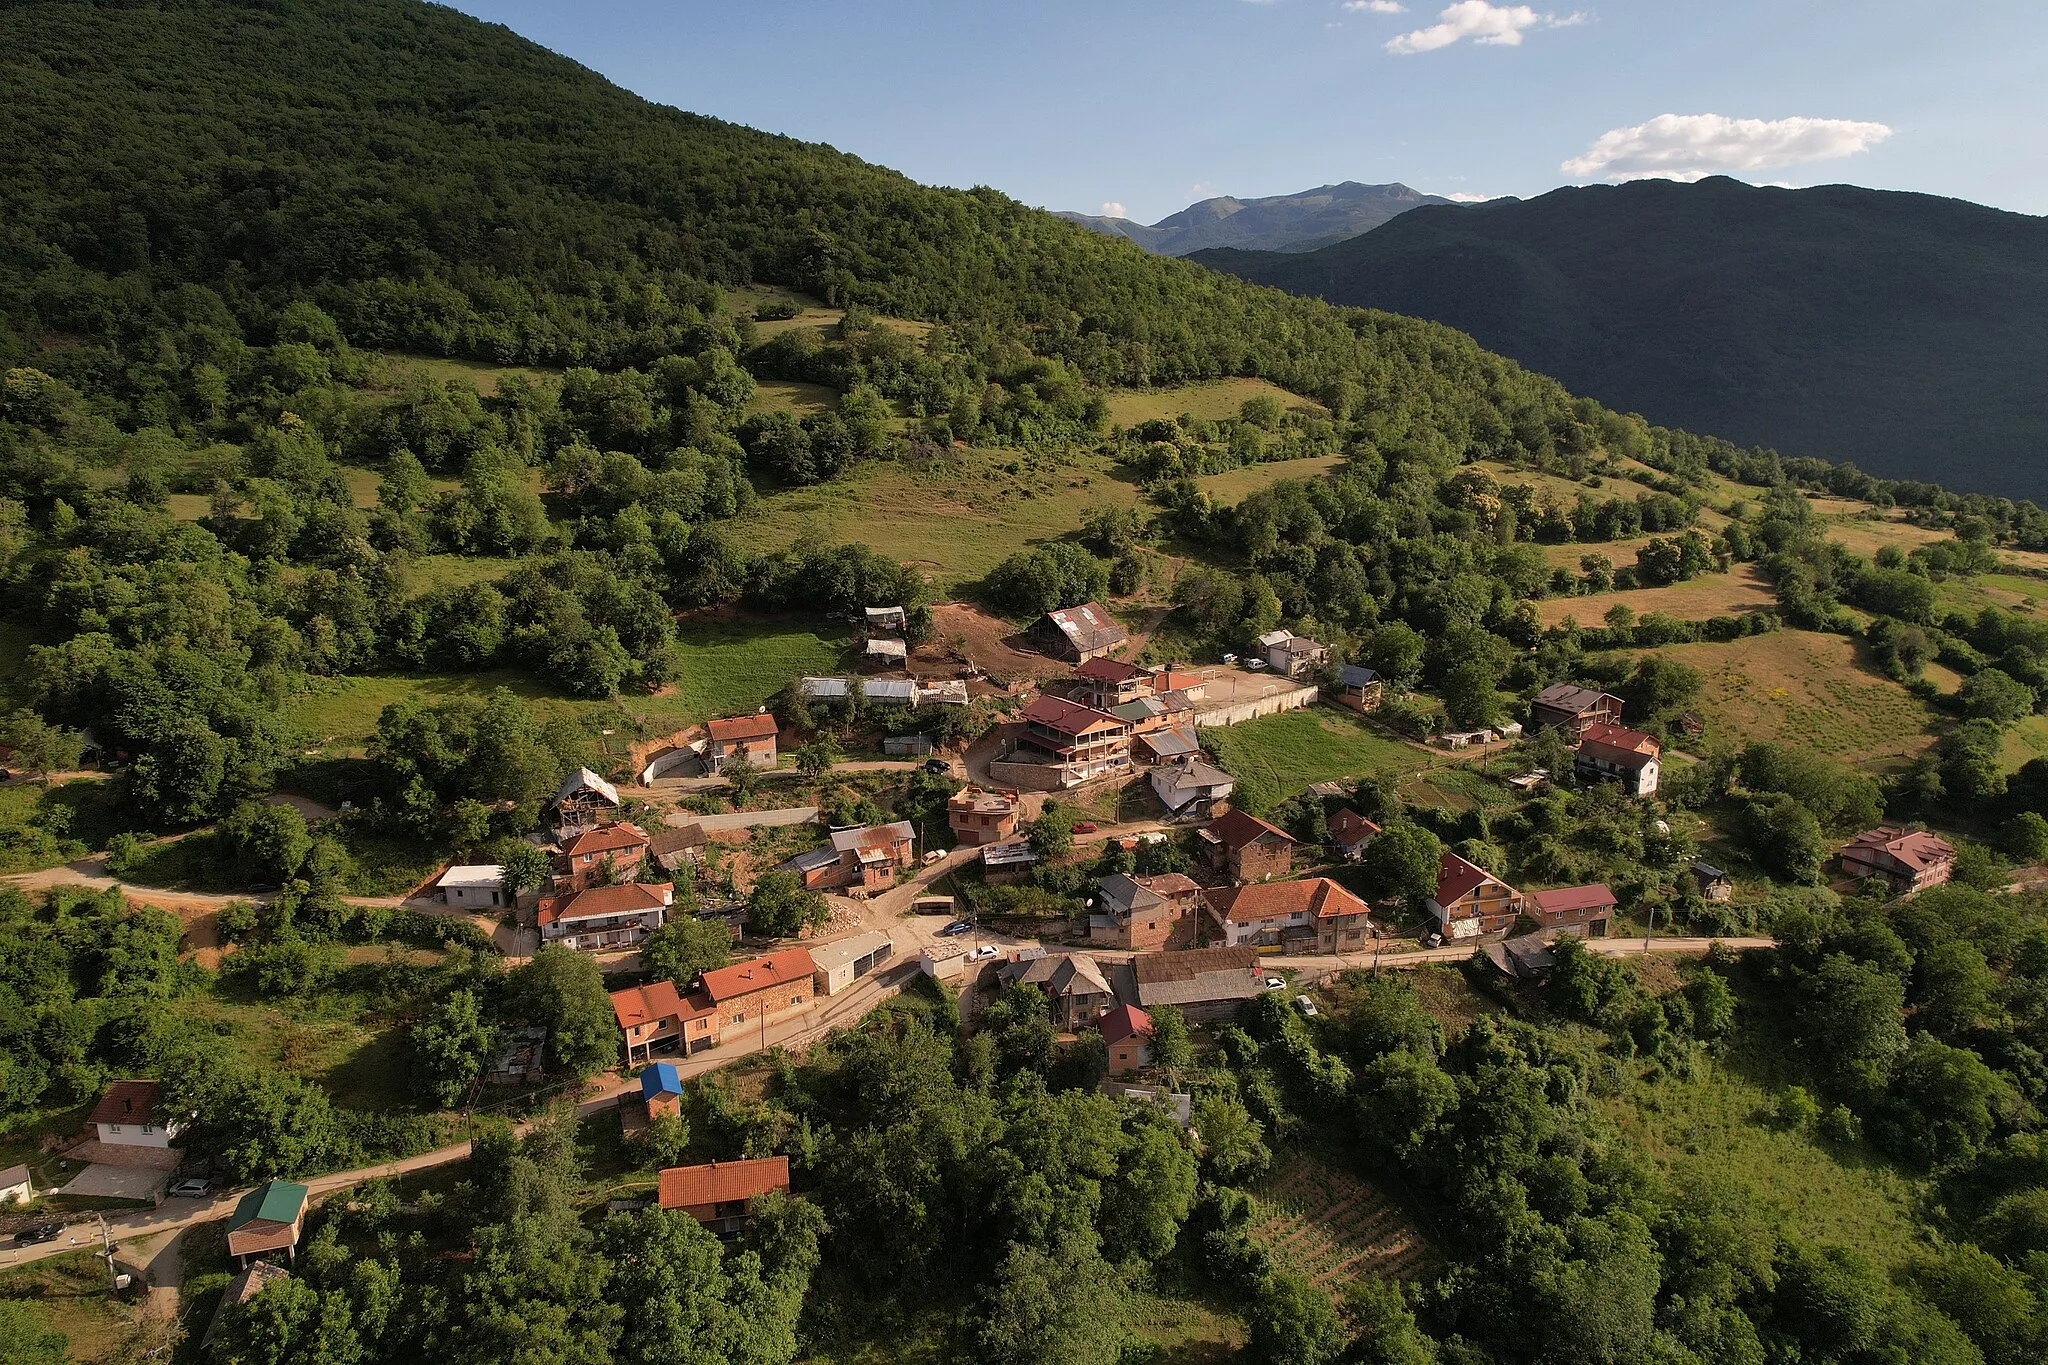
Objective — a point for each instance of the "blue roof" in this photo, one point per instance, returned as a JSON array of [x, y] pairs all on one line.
[[661, 1079], [1351, 675]]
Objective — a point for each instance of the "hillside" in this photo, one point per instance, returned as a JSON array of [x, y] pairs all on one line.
[[1899, 331], [1281, 222]]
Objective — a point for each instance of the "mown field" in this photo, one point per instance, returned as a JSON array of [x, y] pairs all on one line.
[[1711, 594], [1208, 402], [1812, 690], [1279, 755], [1237, 484]]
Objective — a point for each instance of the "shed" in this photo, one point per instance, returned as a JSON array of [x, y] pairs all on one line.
[[823, 689], [268, 1218], [474, 886], [661, 1087], [15, 1186], [839, 964], [893, 691], [907, 746]]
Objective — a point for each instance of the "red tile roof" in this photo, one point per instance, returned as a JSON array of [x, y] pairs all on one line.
[[1125, 1021], [1620, 756], [1348, 827], [1455, 878], [1166, 680], [605, 900], [127, 1102], [722, 1182], [743, 727], [1916, 849], [1107, 670], [1571, 899], [1067, 717], [776, 969], [607, 839], [1620, 737], [637, 1005], [1237, 828], [1317, 896]]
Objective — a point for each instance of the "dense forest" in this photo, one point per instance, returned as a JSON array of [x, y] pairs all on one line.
[[1896, 330]]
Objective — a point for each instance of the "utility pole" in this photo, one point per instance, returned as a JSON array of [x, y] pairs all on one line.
[[1649, 927]]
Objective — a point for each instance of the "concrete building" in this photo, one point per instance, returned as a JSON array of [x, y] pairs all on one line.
[[839, 964], [473, 886], [982, 815]]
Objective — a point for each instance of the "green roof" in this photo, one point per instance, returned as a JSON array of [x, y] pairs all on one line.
[[277, 1202]]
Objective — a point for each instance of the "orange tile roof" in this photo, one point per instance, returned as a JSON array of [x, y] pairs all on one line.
[[743, 727], [127, 1102], [744, 978], [1103, 669], [1571, 899], [1237, 828], [607, 839], [722, 1182], [605, 900], [1318, 896], [637, 1005], [1620, 737], [1455, 878]]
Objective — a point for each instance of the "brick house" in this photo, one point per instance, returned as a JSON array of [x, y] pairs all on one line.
[[1314, 915], [1350, 833], [720, 1195], [1248, 848], [741, 739], [1470, 902], [1127, 1034], [1614, 753], [1584, 910], [603, 918], [1105, 683], [1078, 634], [1908, 860], [1570, 708], [1144, 913], [583, 857], [658, 1018], [871, 857], [1207, 985], [749, 992], [1090, 742], [980, 815]]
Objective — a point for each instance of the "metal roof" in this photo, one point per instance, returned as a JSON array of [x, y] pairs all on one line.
[[845, 950]]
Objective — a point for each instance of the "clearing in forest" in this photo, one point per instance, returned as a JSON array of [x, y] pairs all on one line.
[[1235, 485], [1711, 594], [1208, 402], [1332, 1227]]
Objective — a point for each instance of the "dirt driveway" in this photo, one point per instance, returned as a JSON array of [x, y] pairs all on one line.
[[990, 643]]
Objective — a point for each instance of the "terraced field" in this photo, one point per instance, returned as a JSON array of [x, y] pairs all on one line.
[[1333, 1228]]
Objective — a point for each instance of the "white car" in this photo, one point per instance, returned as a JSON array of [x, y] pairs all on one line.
[[1306, 1006], [983, 953], [1274, 983]]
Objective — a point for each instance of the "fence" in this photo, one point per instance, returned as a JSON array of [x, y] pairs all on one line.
[[907, 746]]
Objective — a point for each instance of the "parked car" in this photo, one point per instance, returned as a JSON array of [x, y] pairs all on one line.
[[958, 926], [1435, 940], [1274, 983], [194, 1188], [934, 855], [1084, 827], [1253, 665], [1306, 1006], [939, 766], [39, 1232], [983, 953]]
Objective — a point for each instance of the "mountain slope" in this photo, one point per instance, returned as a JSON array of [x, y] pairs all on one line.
[[1282, 222], [1904, 332]]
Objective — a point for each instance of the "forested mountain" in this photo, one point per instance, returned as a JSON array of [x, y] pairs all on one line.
[[1281, 222], [1901, 331]]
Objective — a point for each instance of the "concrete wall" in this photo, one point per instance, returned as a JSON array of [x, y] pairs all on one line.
[[1238, 712], [1030, 777]]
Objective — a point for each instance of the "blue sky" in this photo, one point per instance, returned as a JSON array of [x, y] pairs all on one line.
[[1150, 104]]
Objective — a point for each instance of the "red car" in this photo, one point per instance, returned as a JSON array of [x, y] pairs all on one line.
[[1085, 827]]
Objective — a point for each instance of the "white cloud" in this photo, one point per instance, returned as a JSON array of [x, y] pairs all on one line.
[[1493, 25], [1376, 6], [1112, 209], [1465, 197], [1693, 146]]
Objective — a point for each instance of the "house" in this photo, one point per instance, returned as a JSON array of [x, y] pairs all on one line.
[[1316, 915], [1350, 833], [835, 966], [473, 886], [1145, 714], [1001, 863], [1360, 689], [1205, 984], [677, 849], [719, 1195], [1073, 984], [1291, 655], [1078, 634], [1191, 789], [1127, 1034], [741, 739], [598, 856], [760, 989], [1582, 909], [871, 857], [604, 918], [1089, 742], [1144, 913], [658, 1018], [1167, 744], [1712, 882], [15, 1186], [129, 1115], [1104, 683], [1570, 708], [1248, 848], [267, 1219], [1614, 753], [661, 1090], [1470, 902], [1908, 860], [982, 815], [584, 799], [817, 869]]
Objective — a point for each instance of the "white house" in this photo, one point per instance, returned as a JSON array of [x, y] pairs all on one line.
[[838, 965], [15, 1187], [1190, 788], [475, 886], [1292, 655], [127, 1116], [604, 918]]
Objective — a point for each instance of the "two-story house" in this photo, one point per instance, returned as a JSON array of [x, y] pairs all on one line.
[[605, 918], [982, 815], [1291, 655], [1191, 789], [1907, 860], [1614, 753], [753, 992], [1127, 1036], [1582, 910], [1088, 742], [1248, 848], [871, 857], [130, 1114], [1144, 913], [607, 853], [1312, 915], [658, 1018], [1106, 683], [1570, 708], [741, 739], [1470, 902]]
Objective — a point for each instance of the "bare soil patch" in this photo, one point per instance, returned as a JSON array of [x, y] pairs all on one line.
[[990, 643]]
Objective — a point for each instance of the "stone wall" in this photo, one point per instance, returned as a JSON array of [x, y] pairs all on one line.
[[1236, 713]]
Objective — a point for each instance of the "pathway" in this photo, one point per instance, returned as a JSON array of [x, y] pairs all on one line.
[[746, 819]]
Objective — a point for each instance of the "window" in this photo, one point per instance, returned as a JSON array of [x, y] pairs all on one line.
[[148, 1128]]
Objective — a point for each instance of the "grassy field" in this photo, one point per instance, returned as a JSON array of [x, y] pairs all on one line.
[[1713, 594], [792, 395], [485, 377], [2025, 741], [1325, 1224], [1236, 484], [1711, 1129], [1207, 402], [1810, 689], [1866, 535], [68, 1294], [1284, 753], [957, 519]]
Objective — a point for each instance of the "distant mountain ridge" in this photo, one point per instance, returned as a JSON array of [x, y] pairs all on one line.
[[1905, 332], [1282, 222]]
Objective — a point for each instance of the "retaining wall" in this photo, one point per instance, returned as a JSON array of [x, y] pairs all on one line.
[[1238, 712]]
